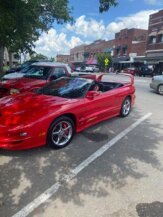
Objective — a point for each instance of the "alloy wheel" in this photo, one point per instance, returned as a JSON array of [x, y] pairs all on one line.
[[160, 89], [61, 133], [126, 107]]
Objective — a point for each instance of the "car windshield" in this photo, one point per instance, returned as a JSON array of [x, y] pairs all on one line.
[[39, 72], [25, 69], [71, 88], [28, 63]]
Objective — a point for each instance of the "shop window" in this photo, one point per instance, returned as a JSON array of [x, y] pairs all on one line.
[[152, 40], [118, 52], [124, 51], [161, 38]]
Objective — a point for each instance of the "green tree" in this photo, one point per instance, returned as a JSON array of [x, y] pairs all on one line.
[[22, 21], [105, 5], [38, 57], [101, 57]]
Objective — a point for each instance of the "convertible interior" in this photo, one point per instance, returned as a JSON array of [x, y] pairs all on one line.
[[106, 86], [103, 86]]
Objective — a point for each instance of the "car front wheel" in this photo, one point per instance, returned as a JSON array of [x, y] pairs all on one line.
[[160, 89], [126, 107], [61, 132]]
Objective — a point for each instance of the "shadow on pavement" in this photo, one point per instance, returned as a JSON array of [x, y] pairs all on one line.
[[154, 209]]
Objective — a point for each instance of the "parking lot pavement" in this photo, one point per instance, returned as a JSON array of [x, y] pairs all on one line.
[[125, 180]]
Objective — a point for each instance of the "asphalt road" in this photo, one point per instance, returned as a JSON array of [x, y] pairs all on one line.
[[124, 180]]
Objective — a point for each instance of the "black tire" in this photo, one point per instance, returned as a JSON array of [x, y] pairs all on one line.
[[58, 136], [160, 89], [126, 107]]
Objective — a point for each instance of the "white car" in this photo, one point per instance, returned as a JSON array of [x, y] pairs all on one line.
[[89, 69], [157, 84]]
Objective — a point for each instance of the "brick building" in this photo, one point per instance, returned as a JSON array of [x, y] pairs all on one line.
[[155, 35], [83, 53], [129, 43], [99, 46], [77, 54], [64, 58], [154, 50]]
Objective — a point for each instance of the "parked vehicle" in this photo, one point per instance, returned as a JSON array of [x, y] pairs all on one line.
[[157, 84], [24, 71], [96, 69], [145, 71], [14, 75], [37, 76], [89, 68], [85, 68], [52, 114], [77, 69], [21, 67]]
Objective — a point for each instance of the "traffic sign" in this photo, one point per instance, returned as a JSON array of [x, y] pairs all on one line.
[[106, 61]]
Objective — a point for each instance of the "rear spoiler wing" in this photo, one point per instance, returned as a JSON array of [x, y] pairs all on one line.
[[132, 79], [93, 76], [98, 76]]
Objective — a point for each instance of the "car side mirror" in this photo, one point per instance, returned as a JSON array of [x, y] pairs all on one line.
[[92, 94]]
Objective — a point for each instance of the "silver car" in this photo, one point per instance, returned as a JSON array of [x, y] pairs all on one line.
[[157, 84]]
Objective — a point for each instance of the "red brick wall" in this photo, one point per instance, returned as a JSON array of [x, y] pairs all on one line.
[[155, 25], [63, 58], [98, 47], [139, 48], [127, 37]]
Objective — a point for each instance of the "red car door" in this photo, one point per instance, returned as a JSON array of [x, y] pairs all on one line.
[[100, 107]]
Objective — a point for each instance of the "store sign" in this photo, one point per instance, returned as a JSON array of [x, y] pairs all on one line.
[[132, 54]]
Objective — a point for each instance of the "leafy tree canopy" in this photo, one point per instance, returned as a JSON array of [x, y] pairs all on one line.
[[105, 5], [38, 57], [22, 21]]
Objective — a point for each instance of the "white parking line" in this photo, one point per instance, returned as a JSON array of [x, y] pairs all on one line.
[[54, 188]]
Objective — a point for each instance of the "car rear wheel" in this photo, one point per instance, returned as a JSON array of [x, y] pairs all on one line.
[[160, 89], [126, 107], [61, 132]]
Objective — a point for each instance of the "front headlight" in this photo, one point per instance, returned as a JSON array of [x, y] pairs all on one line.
[[14, 91]]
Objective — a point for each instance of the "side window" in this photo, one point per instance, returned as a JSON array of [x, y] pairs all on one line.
[[58, 72]]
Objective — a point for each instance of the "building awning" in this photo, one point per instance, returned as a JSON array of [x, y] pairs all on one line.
[[149, 60], [91, 61], [160, 32], [153, 34], [120, 59]]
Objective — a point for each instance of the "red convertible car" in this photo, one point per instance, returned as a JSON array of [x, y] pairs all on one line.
[[52, 114]]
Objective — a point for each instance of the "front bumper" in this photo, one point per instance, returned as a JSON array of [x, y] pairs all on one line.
[[20, 138], [153, 86], [13, 140]]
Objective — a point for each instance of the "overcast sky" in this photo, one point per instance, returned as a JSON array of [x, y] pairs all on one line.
[[90, 25]]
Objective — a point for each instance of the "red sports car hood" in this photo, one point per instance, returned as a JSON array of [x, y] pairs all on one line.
[[30, 101], [31, 106], [23, 83]]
